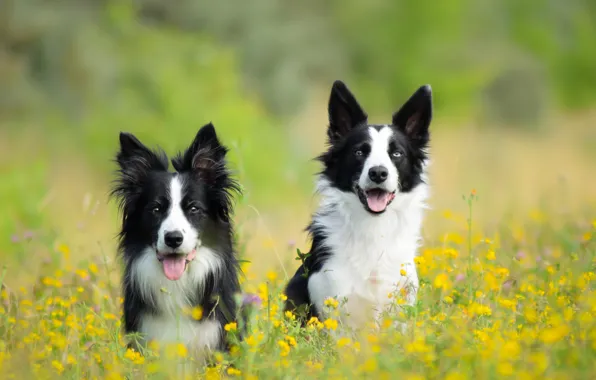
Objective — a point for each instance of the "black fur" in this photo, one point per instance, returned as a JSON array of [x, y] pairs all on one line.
[[141, 188]]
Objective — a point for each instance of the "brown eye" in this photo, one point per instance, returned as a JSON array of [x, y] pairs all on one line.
[[156, 210], [359, 152], [193, 208]]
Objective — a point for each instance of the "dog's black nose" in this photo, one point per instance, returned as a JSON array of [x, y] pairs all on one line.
[[378, 174], [173, 239]]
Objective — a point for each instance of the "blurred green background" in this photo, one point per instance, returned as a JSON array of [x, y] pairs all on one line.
[[514, 91]]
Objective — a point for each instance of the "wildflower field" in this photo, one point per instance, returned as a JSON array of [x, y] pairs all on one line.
[[508, 273], [515, 301]]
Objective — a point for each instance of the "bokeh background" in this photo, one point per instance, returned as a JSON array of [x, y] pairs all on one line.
[[514, 92]]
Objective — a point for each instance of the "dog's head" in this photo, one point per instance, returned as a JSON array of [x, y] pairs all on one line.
[[375, 162], [173, 213]]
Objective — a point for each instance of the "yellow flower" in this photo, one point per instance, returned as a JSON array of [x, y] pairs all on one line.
[[284, 347], [452, 253], [314, 322], [343, 341], [540, 362], [330, 324], [448, 300], [109, 316], [134, 356], [83, 274], [554, 334], [505, 369], [290, 315], [114, 376], [234, 372], [251, 341], [403, 272], [477, 309], [441, 281], [231, 326], [64, 250], [291, 340], [93, 268], [271, 276], [511, 350], [314, 366], [218, 356], [57, 366], [332, 303], [181, 350], [212, 373], [455, 376], [154, 345], [491, 255], [370, 365]]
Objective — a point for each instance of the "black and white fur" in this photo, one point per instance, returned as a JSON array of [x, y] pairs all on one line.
[[180, 215], [367, 227]]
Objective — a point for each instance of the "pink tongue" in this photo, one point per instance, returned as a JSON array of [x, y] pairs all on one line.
[[173, 267], [378, 200]]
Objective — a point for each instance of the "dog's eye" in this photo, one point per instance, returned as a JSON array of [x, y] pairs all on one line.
[[396, 154], [155, 210], [359, 152], [193, 209]]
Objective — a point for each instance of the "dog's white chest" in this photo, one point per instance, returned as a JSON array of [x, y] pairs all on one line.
[[172, 298], [364, 277], [371, 257]]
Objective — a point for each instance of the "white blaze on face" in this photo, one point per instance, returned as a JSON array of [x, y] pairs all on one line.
[[379, 156], [379, 195], [176, 221]]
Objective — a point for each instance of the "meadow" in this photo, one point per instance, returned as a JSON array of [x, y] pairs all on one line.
[[507, 267], [507, 263]]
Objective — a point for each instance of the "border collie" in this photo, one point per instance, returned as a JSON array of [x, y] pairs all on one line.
[[177, 241], [366, 230]]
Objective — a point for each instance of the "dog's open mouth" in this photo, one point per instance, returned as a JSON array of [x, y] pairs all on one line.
[[174, 264], [377, 200]]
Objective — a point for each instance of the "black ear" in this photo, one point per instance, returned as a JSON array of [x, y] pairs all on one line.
[[204, 154], [132, 151], [344, 112], [414, 117], [135, 161], [136, 157]]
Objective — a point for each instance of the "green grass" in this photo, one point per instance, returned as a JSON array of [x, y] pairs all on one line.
[[495, 302]]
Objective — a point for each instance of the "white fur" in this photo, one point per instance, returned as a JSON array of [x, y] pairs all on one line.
[[172, 297], [379, 156], [368, 251], [176, 221]]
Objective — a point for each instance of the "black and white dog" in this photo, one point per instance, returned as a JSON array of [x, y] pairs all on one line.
[[177, 241], [367, 227]]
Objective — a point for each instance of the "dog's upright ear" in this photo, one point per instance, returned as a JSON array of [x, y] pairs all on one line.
[[344, 112], [414, 117], [135, 161], [206, 158], [206, 154]]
